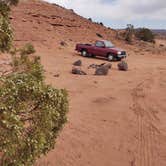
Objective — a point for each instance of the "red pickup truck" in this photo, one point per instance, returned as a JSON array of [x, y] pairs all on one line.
[[101, 48]]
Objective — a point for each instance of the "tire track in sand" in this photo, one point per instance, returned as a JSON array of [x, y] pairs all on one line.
[[147, 132]]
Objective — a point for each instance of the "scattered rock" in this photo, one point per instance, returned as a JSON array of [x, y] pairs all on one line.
[[56, 75], [95, 66], [77, 63], [35, 15], [99, 35], [161, 45], [103, 70], [123, 66], [11, 18], [63, 43], [24, 20], [55, 24], [78, 71]]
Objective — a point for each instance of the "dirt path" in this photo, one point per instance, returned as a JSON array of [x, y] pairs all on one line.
[[114, 120]]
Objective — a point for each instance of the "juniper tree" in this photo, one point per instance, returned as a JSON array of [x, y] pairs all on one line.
[[5, 28], [31, 112]]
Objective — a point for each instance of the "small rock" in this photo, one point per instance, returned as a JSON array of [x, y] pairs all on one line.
[[62, 43], [103, 70], [99, 35], [95, 66], [35, 15], [123, 66], [24, 20], [56, 75], [77, 63], [78, 71], [161, 45]]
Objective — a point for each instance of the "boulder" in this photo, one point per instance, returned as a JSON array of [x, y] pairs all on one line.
[[77, 63], [109, 65], [123, 66], [103, 70], [78, 71]]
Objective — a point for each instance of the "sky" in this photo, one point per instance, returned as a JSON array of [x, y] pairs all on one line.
[[119, 13]]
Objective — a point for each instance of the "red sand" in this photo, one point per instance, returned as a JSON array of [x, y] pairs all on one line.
[[114, 120]]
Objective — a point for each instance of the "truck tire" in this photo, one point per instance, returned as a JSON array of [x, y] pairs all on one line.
[[84, 53], [118, 59], [110, 57], [93, 56]]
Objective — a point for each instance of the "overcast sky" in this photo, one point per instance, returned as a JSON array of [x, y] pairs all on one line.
[[118, 13]]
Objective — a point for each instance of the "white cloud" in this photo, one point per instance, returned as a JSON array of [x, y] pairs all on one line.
[[118, 10]]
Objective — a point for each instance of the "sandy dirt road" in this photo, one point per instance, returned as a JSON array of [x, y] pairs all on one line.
[[114, 120]]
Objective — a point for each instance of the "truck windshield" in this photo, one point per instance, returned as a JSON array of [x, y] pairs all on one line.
[[108, 44]]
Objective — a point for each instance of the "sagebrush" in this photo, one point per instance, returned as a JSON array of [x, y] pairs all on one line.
[[145, 34], [27, 49], [31, 114]]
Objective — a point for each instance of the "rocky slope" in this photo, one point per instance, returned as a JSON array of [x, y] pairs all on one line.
[[48, 24]]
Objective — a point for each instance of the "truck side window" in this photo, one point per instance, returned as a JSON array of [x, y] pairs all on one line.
[[99, 44]]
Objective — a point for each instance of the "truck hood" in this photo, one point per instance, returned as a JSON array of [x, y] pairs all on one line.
[[115, 49]]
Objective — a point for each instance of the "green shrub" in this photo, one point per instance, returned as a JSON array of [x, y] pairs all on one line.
[[90, 19], [101, 24], [27, 49], [145, 34], [129, 33], [31, 113], [6, 36], [10, 2]]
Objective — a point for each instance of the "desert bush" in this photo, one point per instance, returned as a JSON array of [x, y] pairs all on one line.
[[27, 49], [5, 29], [10, 2], [129, 33], [90, 19], [6, 36], [101, 24], [31, 113], [13, 51], [145, 34]]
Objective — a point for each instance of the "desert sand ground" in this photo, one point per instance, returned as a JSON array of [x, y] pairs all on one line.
[[113, 120]]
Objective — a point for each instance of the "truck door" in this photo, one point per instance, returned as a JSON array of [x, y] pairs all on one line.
[[99, 48]]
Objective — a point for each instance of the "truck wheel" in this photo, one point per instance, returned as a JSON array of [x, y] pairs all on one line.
[[84, 53], [118, 59], [93, 56], [110, 57]]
